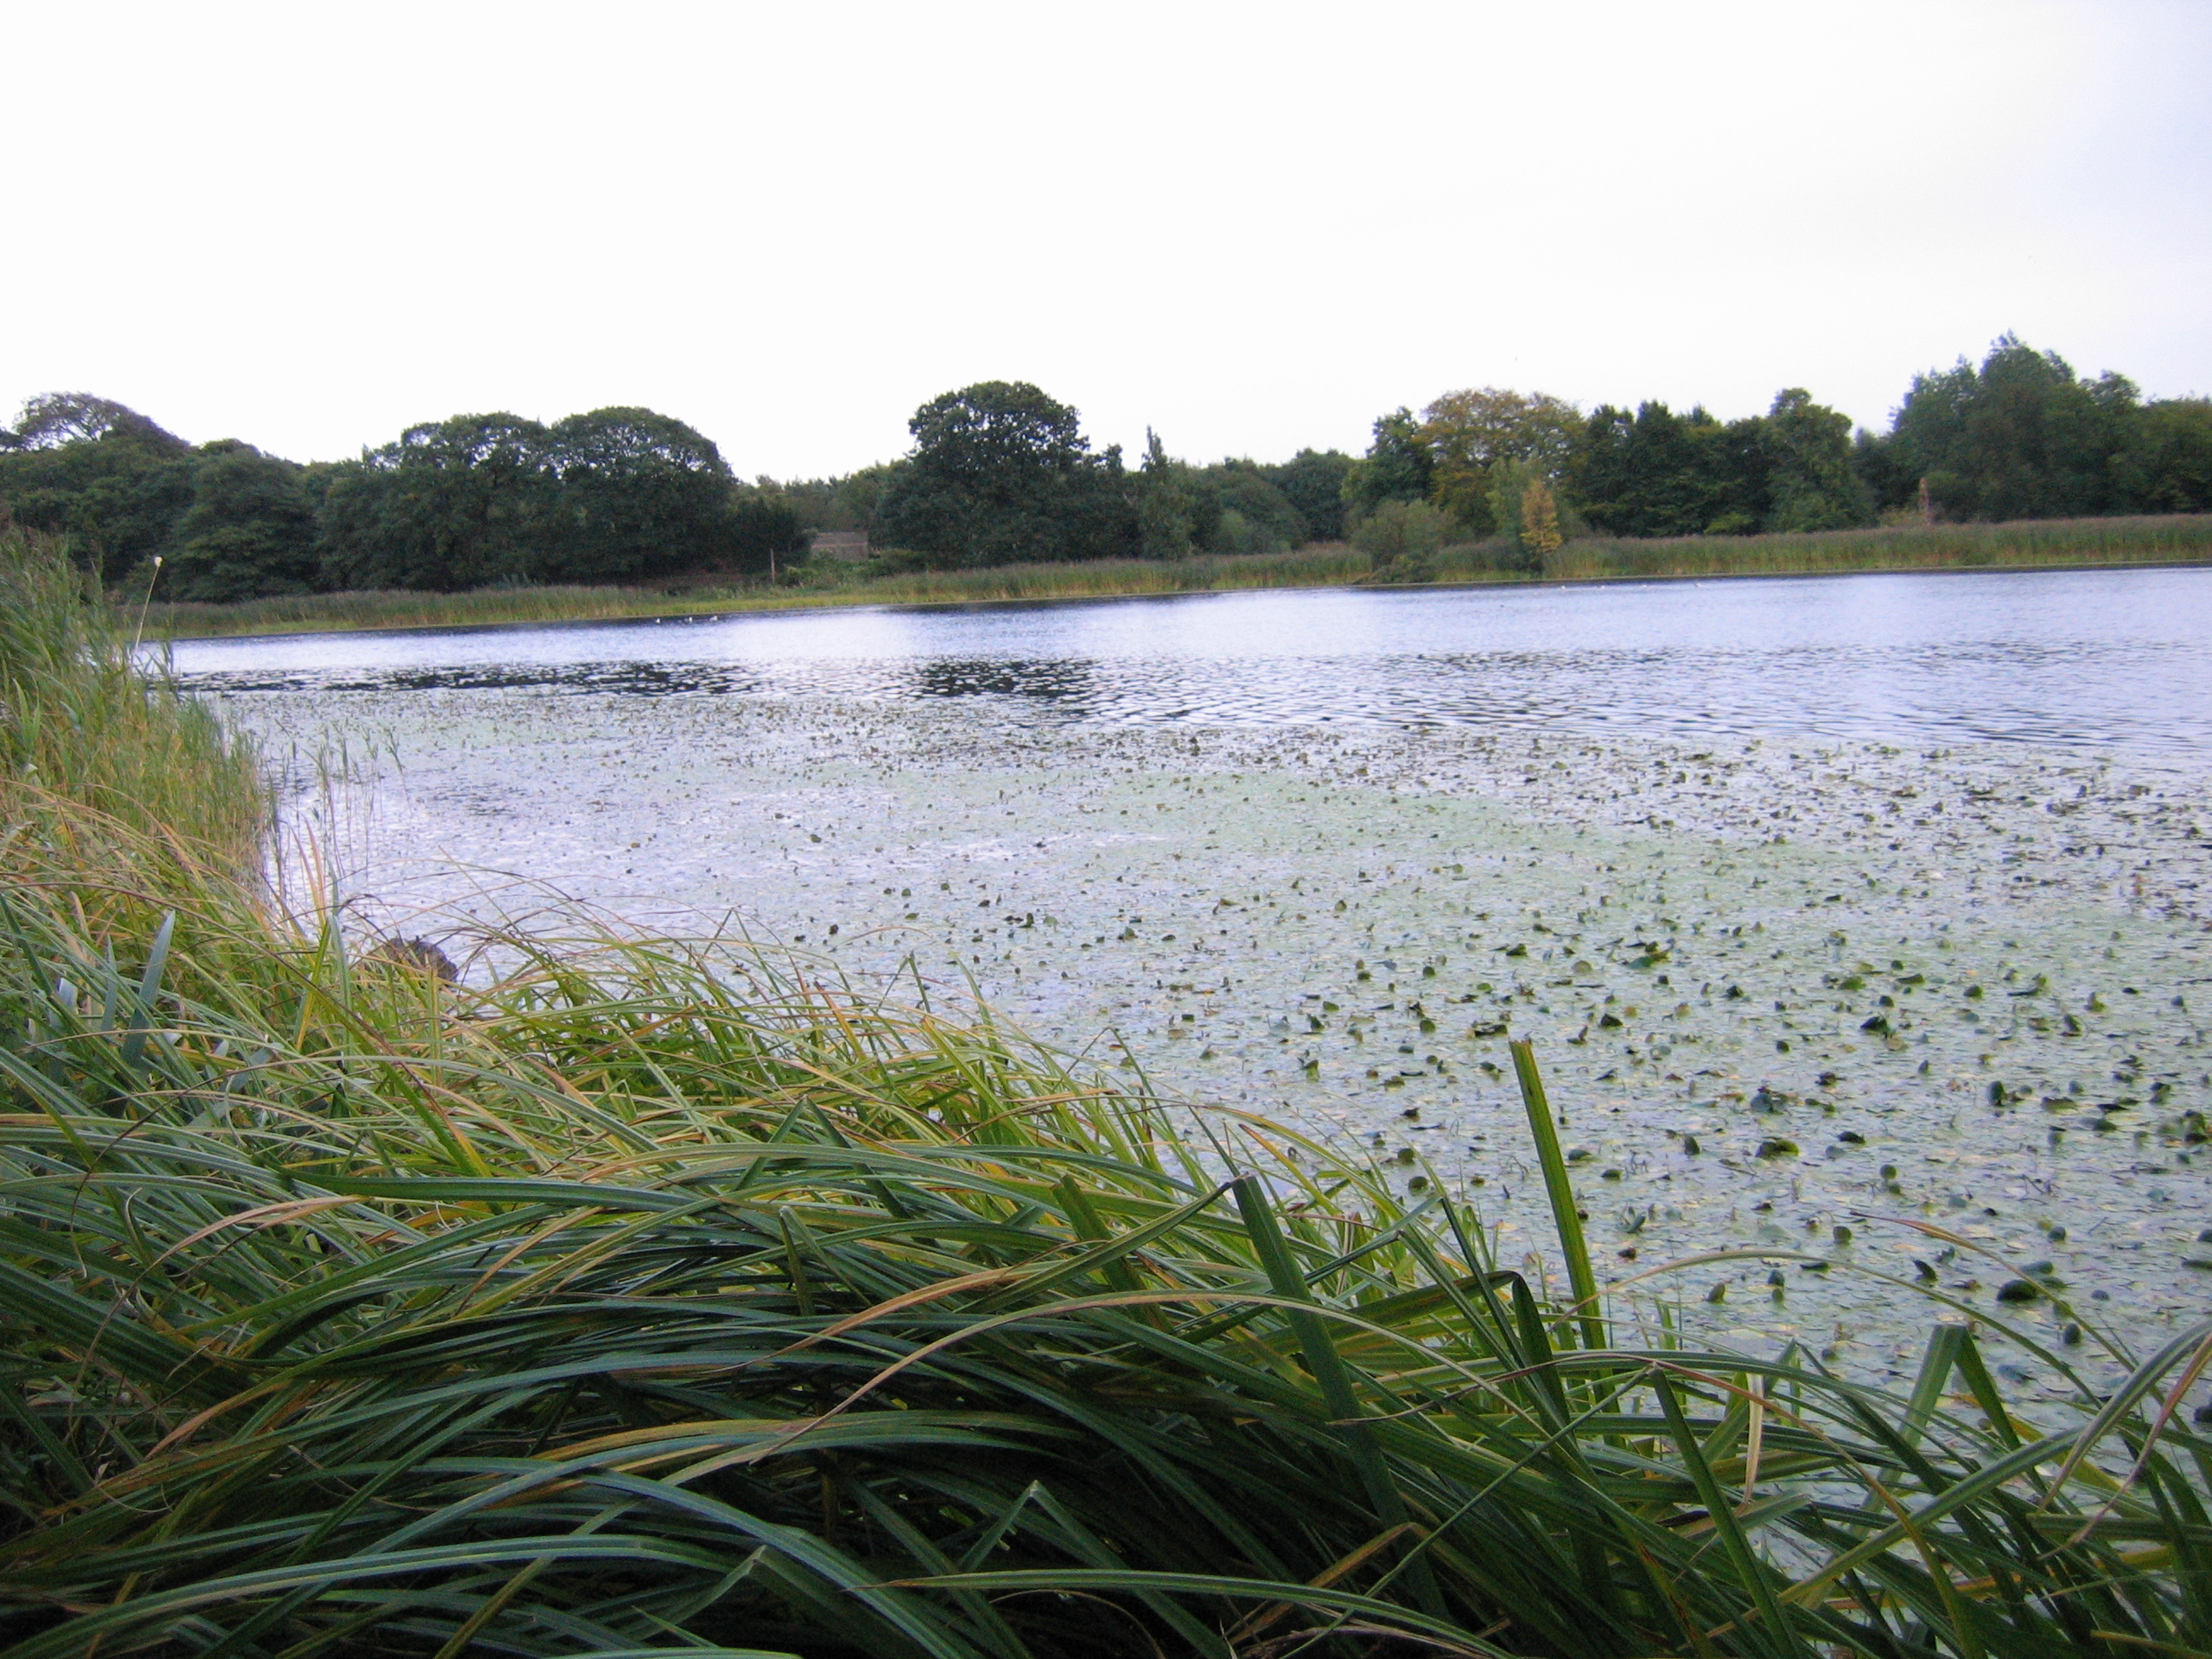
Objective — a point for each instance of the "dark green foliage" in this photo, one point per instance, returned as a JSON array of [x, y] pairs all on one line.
[[844, 503], [1167, 509], [2171, 458], [1312, 482], [105, 477], [1001, 474], [2020, 437], [618, 495], [1654, 473], [1658, 473], [55, 418], [1397, 466], [1230, 508], [1882, 470], [462, 503], [761, 524], [1739, 458], [638, 496], [1804, 451], [1242, 510], [249, 531]]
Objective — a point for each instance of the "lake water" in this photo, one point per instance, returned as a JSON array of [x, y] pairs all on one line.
[[1837, 910], [2105, 660]]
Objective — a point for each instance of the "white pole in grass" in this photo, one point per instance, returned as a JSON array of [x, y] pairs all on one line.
[[138, 638]]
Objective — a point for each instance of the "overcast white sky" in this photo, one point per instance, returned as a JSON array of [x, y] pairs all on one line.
[[1254, 227]]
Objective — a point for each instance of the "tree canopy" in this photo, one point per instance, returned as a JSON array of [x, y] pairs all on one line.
[[1657, 473], [1001, 472], [250, 530], [1312, 484], [1398, 466], [1469, 434], [634, 495], [2023, 437], [447, 505], [102, 475]]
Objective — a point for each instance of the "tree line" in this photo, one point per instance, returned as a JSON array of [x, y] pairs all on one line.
[[999, 472], [2021, 436], [477, 500]]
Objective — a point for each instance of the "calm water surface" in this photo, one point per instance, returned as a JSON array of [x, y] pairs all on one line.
[[2102, 659]]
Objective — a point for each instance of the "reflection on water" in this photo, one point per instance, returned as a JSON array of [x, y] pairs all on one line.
[[2104, 658]]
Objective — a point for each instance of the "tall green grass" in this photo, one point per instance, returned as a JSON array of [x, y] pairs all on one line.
[[649, 1295], [104, 768], [309, 613], [1314, 566], [2039, 543], [2028, 544]]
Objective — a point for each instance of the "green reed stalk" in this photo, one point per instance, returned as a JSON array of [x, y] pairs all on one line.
[[1559, 1189]]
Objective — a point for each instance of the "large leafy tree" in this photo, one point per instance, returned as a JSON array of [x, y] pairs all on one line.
[[1242, 510], [55, 419], [2020, 437], [640, 496], [1167, 508], [1809, 481], [1397, 467], [1000, 474], [1312, 482], [618, 495], [2172, 455], [1230, 506], [98, 473], [452, 504], [1468, 434], [1655, 472], [250, 530]]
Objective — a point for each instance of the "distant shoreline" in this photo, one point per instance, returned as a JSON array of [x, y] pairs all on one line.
[[2175, 542]]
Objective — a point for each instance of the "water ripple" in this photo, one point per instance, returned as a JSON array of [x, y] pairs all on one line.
[[2102, 659]]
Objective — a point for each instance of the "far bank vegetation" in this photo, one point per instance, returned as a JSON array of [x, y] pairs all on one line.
[[1001, 494]]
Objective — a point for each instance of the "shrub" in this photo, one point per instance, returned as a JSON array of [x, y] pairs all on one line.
[[1394, 529]]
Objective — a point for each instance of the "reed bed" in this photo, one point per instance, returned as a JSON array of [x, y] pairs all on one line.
[[2179, 538], [106, 769], [650, 1295], [2027, 545], [313, 613], [1331, 565]]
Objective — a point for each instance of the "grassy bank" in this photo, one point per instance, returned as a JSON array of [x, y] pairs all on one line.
[[2041, 543], [654, 1294]]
